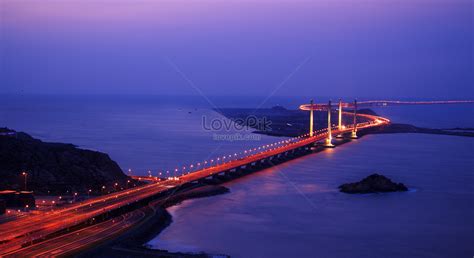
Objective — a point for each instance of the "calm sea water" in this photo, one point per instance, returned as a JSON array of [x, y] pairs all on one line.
[[294, 209]]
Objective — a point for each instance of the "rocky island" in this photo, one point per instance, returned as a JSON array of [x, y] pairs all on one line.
[[374, 183], [53, 168]]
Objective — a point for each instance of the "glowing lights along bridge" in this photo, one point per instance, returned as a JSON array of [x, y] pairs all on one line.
[[33, 234]]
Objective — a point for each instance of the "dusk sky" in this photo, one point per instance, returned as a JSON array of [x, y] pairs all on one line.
[[370, 48]]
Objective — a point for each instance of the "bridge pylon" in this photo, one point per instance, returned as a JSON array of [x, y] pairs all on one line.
[[354, 127], [339, 125], [328, 142], [311, 121]]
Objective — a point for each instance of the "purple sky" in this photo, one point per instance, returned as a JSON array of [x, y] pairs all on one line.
[[369, 48]]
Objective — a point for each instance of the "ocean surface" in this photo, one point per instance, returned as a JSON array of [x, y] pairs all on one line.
[[294, 209]]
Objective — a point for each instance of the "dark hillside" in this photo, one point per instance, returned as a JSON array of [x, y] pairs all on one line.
[[54, 167]]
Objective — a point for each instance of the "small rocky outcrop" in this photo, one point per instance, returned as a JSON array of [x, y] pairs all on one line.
[[373, 184], [53, 167]]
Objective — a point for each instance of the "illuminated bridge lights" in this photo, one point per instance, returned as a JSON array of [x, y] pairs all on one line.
[[315, 134]]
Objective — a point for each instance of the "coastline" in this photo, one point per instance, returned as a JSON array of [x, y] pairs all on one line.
[[407, 128]]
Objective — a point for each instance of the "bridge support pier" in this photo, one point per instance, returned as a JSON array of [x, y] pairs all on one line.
[[354, 128], [284, 156], [278, 159], [238, 172], [265, 163], [339, 125], [220, 177], [328, 142], [311, 124], [255, 166]]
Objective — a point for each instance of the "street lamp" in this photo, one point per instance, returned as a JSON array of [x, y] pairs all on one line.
[[25, 175]]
